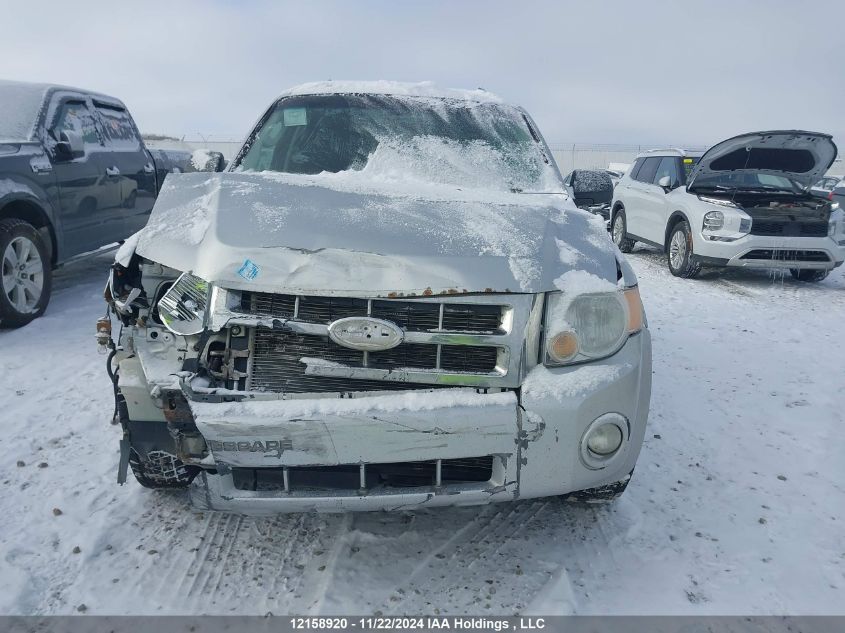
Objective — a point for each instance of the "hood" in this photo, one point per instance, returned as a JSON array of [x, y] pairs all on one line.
[[802, 156], [318, 235]]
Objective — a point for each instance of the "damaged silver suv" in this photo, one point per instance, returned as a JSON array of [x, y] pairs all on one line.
[[387, 301]]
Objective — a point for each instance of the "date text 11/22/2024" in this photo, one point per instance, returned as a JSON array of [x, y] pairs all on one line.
[[406, 623]]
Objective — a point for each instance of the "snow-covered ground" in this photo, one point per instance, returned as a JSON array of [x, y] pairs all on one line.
[[737, 505]]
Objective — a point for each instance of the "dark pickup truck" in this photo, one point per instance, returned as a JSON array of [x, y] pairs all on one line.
[[75, 176]]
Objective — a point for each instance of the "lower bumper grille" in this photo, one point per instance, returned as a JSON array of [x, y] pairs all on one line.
[[789, 229], [277, 365], [353, 477], [787, 255]]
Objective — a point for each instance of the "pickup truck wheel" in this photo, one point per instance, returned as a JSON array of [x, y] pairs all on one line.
[[27, 275], [596, 496], [809, 275], [619, 232], [680, 256]]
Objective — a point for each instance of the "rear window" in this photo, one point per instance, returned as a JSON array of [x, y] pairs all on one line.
[[118, 127]]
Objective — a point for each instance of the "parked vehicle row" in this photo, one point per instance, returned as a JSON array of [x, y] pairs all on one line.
[[74, 176], [744, 202]]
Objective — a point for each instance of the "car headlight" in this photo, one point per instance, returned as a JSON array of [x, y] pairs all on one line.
[[713, 221], [183, 307], [590, 326], [719, 201]]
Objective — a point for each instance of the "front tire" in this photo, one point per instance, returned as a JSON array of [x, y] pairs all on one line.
[[679, 253], [809, 275], [152, 457], [27, 274], [619, 232]]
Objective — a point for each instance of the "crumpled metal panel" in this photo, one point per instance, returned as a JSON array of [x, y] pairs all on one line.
[[271, 233]]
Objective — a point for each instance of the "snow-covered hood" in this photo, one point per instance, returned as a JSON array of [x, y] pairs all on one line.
[[323, 235], [802, 156]]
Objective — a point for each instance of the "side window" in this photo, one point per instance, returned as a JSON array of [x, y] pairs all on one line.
[[74, 116], [687, 165], [668, 167], [568, 179], [636, 168], [117, 127], [649, 168]]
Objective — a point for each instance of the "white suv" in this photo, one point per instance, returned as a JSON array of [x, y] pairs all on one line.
[[744, 202]]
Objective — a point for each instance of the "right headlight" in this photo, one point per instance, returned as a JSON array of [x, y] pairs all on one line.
[[713, 221], [183, 307], [589, 326]]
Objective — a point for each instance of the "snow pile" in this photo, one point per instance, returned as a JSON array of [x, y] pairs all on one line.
[[568, 383], [408, 89], [277, 410], [20, 104], [200, 159], [572, 284], [588, 181], [474, 165]]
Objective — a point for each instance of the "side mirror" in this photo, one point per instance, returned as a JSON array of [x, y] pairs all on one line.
[[207, 160], [665, 182], [70, 145]]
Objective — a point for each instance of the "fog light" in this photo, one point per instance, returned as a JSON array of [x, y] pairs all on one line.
[[605, 439]]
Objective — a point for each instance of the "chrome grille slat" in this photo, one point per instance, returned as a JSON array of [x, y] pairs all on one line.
[[277, 367], [284, 328], [411, 316]]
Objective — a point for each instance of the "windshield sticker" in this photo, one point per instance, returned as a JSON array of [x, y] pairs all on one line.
[[294, 117], [249, 270]]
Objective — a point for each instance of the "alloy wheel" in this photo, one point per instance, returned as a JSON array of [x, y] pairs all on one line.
[[23, 275], [618, 230], [678, 249]]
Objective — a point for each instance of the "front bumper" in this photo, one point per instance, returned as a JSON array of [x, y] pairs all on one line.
[[761, 251], [533, 436]]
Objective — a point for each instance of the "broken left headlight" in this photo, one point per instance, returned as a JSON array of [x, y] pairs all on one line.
[[183, 307]]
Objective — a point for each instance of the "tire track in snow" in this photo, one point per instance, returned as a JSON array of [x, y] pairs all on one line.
[[470, 555]]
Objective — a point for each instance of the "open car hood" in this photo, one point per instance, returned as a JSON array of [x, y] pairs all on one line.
[[801, 156], [279, 233]]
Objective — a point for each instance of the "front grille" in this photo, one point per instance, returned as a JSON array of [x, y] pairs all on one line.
[[411, 316], [277, 366], [348, 477], [789, 229], [787, 255], [472, 340]]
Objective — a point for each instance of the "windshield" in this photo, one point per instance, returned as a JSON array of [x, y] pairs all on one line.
[[747, 181], [20, 104], [445, 141]]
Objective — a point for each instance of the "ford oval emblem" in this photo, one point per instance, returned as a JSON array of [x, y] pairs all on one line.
[[366, 334]]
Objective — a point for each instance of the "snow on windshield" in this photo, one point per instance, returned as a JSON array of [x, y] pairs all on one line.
[[20, 104], [395, 138]]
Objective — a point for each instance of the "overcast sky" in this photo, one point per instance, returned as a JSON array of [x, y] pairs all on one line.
[[591, 72]]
